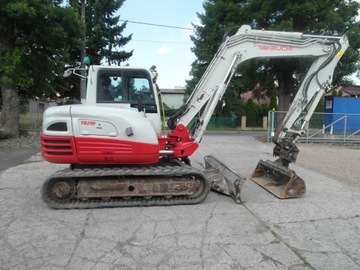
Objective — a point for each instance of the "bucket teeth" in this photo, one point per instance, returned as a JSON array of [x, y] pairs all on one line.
[[222, 179], [279, 180]]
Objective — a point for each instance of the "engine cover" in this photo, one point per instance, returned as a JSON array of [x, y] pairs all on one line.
[[80, 134]]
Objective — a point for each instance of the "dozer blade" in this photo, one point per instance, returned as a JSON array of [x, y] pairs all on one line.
[[222, 179], [279, 180]]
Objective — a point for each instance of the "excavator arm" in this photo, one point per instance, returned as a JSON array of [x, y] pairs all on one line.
[[275, 176], [247, 44], [316, 82]]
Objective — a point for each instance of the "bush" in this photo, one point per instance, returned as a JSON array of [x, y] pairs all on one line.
[[255, 113], [5, 135]]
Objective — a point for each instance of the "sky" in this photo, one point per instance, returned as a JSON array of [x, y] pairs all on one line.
[[169, 49]]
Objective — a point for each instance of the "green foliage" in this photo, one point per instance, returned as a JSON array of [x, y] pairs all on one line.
[[250, 112], [104, 38], [234, 106], [321, 105], [167, 110], [35, 39], [255, 113], [333, 17], [273, 105], [5, 135], [337, 93], [23, 108]]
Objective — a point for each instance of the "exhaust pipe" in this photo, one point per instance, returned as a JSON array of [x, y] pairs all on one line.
[[222, 179], [279, 180]]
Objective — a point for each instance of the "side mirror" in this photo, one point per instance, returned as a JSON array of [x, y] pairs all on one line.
[[68, 72]]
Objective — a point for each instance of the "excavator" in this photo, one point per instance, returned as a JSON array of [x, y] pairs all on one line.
[[120, 156]]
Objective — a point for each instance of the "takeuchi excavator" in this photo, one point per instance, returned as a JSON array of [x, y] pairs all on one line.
[[119, 155]]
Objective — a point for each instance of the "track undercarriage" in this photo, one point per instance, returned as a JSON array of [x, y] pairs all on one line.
[[170, 182]]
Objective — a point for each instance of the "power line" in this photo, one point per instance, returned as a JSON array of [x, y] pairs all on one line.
[[163, 41], [158, 25]]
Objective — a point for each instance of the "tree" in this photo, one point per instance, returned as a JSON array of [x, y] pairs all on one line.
[[35, 37], [218, 19], [103, 39], [103, 33], [332, 17]]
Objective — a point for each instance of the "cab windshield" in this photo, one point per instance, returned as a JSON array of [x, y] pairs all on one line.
[[126, 86]]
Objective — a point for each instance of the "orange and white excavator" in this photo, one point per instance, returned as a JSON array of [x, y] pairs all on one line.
[[119, 155]]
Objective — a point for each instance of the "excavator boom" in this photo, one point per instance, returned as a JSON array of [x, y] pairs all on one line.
[[247, 44]]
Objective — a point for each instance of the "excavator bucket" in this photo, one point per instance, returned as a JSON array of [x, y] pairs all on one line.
[[278, 179], [222, 179]]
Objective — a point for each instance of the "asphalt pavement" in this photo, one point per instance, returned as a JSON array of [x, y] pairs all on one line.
[[319, 231], [11, 157]]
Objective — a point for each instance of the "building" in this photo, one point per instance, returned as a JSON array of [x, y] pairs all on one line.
[[349, 91], [263, 99], [173, 97]]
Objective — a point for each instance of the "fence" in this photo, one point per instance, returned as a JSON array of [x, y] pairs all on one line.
[[323, 127], [31, 112], [225, 122]]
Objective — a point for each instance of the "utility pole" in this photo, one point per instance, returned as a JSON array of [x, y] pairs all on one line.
[[83, 54]]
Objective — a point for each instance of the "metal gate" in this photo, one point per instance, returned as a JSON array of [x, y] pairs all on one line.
[[323, 127]]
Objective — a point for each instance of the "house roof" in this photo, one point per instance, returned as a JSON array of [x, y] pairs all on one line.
[[351, 90], [178, 91]]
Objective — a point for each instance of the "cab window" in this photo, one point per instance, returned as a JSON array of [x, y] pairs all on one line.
[[126, 86]]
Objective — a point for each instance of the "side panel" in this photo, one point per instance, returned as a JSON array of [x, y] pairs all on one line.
[[98, 135], [110, 151], [94, 150], [59, 149]]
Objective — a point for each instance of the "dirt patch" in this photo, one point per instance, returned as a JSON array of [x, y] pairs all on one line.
[[339, 162]]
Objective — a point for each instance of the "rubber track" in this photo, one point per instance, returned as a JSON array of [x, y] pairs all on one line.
[[156, 170]]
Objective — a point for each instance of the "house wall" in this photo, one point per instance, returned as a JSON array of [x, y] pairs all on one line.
[[173, 98], [174, 101]]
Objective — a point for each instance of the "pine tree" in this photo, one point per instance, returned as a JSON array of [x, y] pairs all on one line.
[[104, 38]]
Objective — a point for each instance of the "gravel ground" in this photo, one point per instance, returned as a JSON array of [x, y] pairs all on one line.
[[16, 151], [22, 142], [340, 162], [336, 161]]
